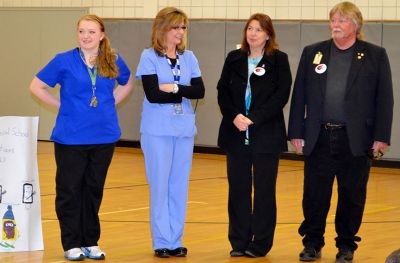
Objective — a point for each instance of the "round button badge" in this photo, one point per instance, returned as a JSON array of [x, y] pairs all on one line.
[[320, 68], [259, 71]]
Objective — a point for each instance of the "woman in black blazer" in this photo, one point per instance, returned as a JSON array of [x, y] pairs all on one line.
[[252, 91]]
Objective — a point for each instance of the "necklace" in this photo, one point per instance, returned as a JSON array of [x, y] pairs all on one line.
[[93, 77]]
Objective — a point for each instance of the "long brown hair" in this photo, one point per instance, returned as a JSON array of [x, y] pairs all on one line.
[[351, 10], [166, 19], [106, 60], [266, 24]]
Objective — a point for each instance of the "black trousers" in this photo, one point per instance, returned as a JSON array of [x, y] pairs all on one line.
[[80, 178], [252, 224], [332, 158]]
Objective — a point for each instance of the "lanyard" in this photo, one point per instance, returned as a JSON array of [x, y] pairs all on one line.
[[93, 78], [92, 75], [252, 63], [176, 71]]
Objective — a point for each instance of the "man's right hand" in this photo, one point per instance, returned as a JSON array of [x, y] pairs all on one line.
[[298, 145]]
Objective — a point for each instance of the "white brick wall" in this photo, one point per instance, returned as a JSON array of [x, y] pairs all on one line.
[[229, 9]]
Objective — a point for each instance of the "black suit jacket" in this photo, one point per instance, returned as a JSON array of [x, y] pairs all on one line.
[[270, 93], [368, 97]]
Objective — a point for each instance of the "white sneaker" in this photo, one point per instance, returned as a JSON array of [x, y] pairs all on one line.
[[93, 252], [74, 254]]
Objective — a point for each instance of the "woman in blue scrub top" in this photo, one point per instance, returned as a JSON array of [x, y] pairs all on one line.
[[85, 132], [171, 77]]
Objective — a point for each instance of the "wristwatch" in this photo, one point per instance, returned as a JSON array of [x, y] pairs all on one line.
[[175, 89]]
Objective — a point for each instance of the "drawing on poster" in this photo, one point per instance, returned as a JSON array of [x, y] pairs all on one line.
[[27, 193], [9, 233]]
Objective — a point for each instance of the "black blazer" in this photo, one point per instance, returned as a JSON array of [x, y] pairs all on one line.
[[270, 93], [368, 98]]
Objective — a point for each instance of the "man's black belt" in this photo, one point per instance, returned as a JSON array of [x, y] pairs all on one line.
[[333, 126]]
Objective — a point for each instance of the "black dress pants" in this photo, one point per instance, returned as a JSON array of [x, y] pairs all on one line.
[[80, 178], [332, 158], [252, 224]]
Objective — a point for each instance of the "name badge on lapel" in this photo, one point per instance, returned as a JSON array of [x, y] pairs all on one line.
[[317, 58]]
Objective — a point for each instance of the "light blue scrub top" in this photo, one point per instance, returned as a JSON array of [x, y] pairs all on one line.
[[77, 123], [159, 119]]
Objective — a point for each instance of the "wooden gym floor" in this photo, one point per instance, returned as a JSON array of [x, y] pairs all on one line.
[[124, 214]]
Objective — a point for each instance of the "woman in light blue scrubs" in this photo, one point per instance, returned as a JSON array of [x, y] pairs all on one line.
[[171, 77]]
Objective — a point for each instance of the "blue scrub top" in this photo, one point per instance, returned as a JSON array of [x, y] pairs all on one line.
[[159, 119], [77, 123]]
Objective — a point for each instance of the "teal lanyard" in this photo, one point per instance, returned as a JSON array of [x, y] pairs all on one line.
[[252, 64], [93, 78]]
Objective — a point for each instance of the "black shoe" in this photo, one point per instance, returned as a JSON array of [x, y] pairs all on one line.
[[178, 252], [162, 253], [251, 253], [236, 253], [310, 254], [344, 255]]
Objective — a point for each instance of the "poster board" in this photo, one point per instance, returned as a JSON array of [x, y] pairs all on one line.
[[20, 214]]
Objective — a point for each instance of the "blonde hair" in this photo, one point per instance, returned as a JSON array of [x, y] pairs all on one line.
[[166, 19], [351, 10], [266, 24], [106, 60]]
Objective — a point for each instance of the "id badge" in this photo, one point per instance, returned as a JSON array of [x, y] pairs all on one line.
[[178, 110]]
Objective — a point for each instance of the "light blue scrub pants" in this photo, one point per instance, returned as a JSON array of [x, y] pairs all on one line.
[[168, 161]]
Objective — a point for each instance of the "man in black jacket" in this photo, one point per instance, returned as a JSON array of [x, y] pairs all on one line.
[[340, 117]]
